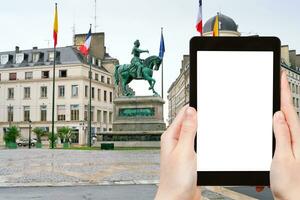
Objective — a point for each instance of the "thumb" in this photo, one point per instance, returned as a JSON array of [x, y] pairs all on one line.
[[188, 128], [283, 136]]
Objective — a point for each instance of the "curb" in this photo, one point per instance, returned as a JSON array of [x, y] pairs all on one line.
[[69, 184]]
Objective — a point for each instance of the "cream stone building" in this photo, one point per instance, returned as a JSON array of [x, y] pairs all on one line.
[[26, 89], [290, 62], [178, 93]]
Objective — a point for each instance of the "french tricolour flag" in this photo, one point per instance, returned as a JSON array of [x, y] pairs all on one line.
[[199, 19], [84, 49]]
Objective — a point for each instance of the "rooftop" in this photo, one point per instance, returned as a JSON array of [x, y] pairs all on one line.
[[44, 57]]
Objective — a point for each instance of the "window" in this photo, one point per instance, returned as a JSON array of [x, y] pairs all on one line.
[[43, 92], [61, 91], [93, 92], [102, 79], [26, 92], [293, 87], [45, 74], [99, 94], [99, 116], [105, 116], [74, 90], [10, 113], [11, 93], [108, 80], [297, 102], [51, 56], [75, 112], [28, 75], [86, 115], [19, 58], [294, 101], [35, 57], [104, 96], [86, 88], [61, 112], [4, 59], [26, 113], [43, 113], [296, 89], [62, 73], [96, 77], [110, 97], [110, 117], [12, 76]]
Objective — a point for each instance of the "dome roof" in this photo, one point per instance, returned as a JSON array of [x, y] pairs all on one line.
[[226, 24]]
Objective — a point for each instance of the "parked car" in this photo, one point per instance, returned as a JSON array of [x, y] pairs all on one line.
[[25, 142]]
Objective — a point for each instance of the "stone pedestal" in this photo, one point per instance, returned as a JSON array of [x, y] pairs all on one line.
[[138, 118]]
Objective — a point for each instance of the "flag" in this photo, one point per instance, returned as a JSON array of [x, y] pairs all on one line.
[[162, 46], [55, 26], [199, 19], [216, 26], [84, 49]]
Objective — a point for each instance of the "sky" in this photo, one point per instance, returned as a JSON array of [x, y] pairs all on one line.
[[30, 23]]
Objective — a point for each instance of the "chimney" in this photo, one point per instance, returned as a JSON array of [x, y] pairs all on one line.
[[17, 49], [34, 48]]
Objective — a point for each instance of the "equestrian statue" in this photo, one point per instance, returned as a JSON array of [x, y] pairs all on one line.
[[138, 69]]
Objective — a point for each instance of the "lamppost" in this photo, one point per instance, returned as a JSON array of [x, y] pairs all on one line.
[[29, 142]]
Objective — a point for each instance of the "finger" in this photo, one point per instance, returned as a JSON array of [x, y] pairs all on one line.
[[283, 137], [197, 195], [188, 129], [259, 188], [170, 137], [290, 114]]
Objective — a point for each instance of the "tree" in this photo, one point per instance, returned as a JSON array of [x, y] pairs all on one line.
[[11, 134], [65, 134], [39, 132]]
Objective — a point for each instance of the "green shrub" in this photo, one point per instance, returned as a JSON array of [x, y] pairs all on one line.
[[11, 135], [39, 132]]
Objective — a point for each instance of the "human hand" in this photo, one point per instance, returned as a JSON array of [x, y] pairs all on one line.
[[178, 173], [285, 169]]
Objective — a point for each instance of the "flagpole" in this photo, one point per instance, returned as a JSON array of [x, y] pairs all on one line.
[[162, 73], [53, 92], [218, 24], [90, 99]]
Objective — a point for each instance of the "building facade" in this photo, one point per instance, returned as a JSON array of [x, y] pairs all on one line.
[[26, 89], [290, 62], [178, 93]]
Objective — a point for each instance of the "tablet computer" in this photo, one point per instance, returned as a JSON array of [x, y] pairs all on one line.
[[235, 87]]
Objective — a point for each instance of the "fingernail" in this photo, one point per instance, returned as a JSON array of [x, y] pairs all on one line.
[[279, 116]]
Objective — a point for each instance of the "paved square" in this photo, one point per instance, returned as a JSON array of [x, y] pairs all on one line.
[[46, 167]]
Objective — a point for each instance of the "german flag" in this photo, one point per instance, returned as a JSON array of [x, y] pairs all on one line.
[[55, 26]]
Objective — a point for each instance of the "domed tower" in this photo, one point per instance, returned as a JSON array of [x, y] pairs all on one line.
[[227, 26]]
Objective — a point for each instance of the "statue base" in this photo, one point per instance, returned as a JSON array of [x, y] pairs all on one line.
[[138, 118]]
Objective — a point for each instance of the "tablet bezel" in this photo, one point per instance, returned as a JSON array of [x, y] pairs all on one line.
[[231, 178]]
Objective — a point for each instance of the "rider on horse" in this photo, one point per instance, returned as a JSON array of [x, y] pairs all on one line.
[[136, 62]]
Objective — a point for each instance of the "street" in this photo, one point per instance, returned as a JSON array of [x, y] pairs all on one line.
[[120, 192]]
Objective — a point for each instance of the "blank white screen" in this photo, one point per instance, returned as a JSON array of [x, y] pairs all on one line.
[[235, 107]]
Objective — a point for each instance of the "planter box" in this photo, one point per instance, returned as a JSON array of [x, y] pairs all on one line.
[[39, 145], [66, 145], [107, 146], [11, 145]]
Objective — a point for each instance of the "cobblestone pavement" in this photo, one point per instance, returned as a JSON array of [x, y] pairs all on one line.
[[84, 169], [38, 167]]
